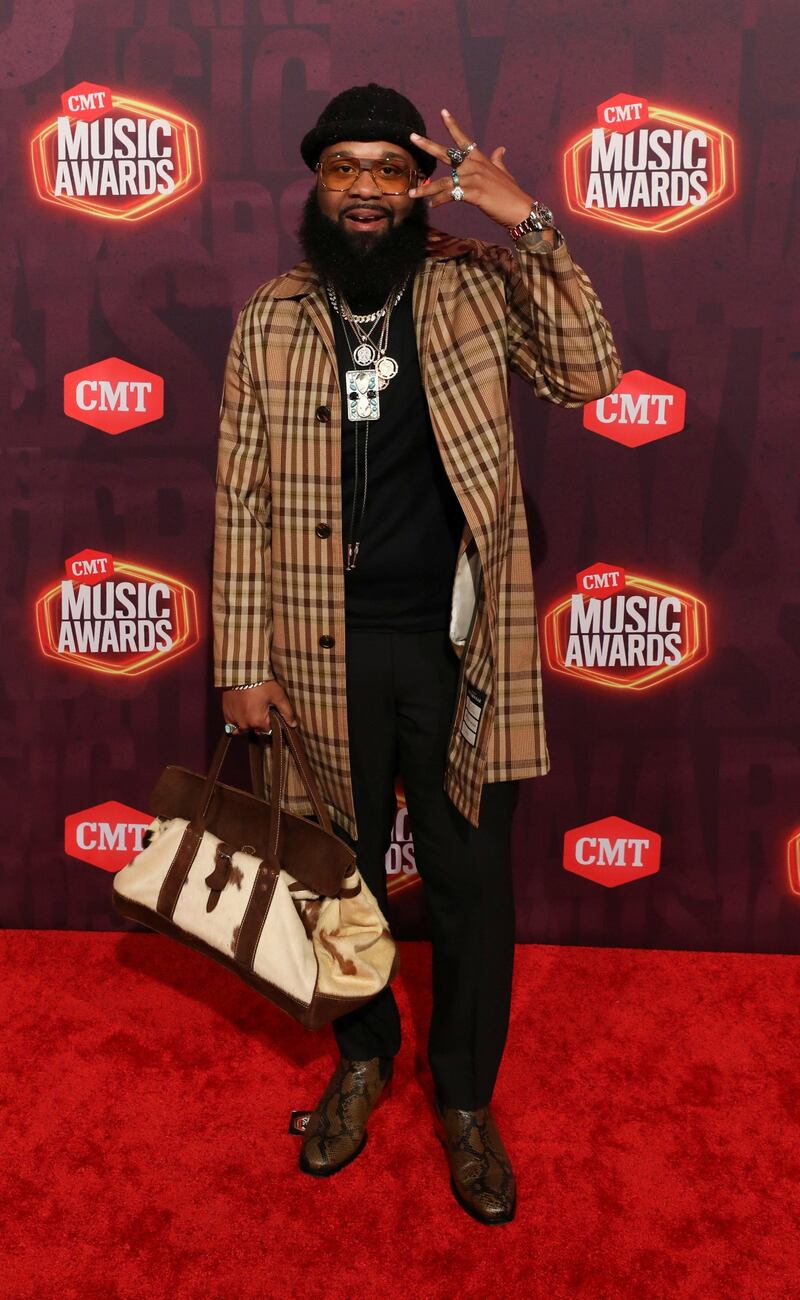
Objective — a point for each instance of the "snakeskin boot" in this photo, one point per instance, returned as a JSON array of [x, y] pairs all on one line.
[[337, 1128], [481, 1176]]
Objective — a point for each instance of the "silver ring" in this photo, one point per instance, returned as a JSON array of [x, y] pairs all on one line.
[[457, 192], [231, 728], [457, 156], [454, 175]]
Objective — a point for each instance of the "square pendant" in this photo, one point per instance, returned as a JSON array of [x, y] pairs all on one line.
[[363, 402]]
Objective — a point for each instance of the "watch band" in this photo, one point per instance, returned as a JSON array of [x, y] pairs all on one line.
[[539, 218]]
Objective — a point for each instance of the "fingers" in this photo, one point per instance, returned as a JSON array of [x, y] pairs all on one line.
[[430, 146], [497, 157], [460, 137], [249, 710], [436, 187], [468, 174], [283, 705], [442, 190]]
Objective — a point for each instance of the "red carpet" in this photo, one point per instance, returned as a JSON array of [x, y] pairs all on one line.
[[649, 1100]]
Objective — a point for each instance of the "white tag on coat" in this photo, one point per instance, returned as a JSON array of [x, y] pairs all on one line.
[[474, 701]]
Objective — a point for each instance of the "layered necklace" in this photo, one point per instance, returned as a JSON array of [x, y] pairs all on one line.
[[371, 372]]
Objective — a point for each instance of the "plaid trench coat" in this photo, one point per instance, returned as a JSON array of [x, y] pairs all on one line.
[[480, 310]]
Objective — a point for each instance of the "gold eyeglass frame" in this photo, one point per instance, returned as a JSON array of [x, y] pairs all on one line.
[[369, 166]]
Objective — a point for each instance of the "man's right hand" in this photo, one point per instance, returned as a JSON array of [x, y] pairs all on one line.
[[248, 709]]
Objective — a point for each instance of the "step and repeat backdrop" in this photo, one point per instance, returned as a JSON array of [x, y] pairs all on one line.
[[153, 180]]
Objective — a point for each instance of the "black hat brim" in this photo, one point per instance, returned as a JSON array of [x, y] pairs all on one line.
[[315, 140]]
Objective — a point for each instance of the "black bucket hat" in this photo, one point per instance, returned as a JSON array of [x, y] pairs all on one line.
[[370, 112]]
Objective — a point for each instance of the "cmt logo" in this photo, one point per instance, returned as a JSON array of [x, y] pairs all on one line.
[[640, 409], [113, 395], [647, 167], [89, 567], [401, 867], [107, 836], [622, 113], [86, 101], [625, 630], [115, 616], [612, 851], [112, 156]]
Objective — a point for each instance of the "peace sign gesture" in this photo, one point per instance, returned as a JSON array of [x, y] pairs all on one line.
[[486, 182]]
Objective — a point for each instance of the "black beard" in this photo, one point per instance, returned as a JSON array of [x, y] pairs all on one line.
[[364, 268]]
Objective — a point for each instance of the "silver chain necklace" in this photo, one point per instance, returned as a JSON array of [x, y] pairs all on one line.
[[371, 372]]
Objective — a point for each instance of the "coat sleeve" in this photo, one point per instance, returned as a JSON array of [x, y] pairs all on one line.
[[241, 586], [558, 338]]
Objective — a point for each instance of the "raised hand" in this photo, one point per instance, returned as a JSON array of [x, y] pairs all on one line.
[[486, 182]]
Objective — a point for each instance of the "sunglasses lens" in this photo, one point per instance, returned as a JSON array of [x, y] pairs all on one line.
[[390, 177]]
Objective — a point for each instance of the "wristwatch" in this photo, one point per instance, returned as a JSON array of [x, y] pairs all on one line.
[[539, 218]]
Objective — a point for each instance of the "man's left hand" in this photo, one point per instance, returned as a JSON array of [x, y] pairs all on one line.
[[486, 182]]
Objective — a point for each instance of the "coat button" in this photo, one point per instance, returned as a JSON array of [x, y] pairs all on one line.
[[323, 530], [323, 413], [327, 641]]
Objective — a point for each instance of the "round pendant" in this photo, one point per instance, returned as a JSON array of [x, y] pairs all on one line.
[[364, 354], [387, 367]]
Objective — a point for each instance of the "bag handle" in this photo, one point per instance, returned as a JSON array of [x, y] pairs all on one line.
[[280, 730], [285, 740]]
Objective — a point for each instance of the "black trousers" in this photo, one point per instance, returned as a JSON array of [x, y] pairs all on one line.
[[401, 690]]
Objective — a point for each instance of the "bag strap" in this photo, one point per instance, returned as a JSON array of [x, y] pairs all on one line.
[[281, 732], [285, 740], [198, 821]]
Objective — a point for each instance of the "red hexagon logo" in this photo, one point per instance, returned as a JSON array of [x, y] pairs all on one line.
[[654, 174], [622, 113], [640, 409], [601, 580], [108, 835], [89, 567], [124, 163], [113, 395], [612, 851], [86, 102]]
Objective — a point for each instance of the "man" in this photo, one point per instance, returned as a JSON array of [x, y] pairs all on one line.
[[372, 572]]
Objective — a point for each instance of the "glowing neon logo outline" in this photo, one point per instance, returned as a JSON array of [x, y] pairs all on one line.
[[696, 613], [722, 156], [135, 665], [189, 165], [793, 861]]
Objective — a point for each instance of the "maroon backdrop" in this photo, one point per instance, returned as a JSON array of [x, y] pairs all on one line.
[[705, 759]]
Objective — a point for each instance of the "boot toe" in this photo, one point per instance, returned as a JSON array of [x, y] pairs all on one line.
[[321, 1156], [487, 1206]]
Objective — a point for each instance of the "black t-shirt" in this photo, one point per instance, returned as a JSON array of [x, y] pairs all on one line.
[[413, 520]]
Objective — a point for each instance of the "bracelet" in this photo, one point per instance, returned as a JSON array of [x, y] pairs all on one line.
[[248, 686]]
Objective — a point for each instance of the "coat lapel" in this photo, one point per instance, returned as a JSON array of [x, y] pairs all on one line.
[[427, 283], [303, 283], [315, 306]]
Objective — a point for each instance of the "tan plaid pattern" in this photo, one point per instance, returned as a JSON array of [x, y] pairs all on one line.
[[278, 587]]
